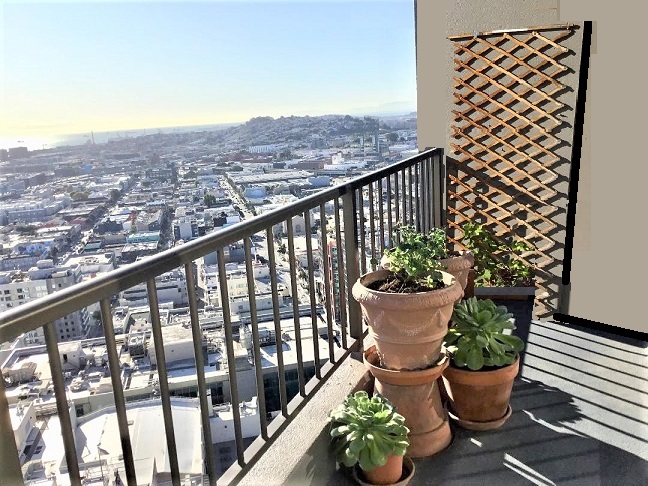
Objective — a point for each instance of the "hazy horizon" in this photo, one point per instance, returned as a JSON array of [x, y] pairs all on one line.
[[65, 139], [76, 67]]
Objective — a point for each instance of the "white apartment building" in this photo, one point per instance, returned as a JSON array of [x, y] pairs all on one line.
[[171, 288], [17, 288], [237, 286]]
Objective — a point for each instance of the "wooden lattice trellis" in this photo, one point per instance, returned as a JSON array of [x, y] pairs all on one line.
[[502, 171]]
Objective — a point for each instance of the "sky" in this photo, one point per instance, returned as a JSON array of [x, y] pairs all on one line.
[[77, 66]]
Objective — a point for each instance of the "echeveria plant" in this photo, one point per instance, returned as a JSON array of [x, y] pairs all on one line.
[[477, 338]]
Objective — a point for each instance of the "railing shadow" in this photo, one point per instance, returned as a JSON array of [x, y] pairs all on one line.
[[539, 444]]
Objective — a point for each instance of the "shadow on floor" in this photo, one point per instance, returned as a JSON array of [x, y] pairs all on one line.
[[536, 446]]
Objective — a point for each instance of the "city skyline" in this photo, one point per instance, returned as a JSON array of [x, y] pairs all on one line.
[[161, 64]]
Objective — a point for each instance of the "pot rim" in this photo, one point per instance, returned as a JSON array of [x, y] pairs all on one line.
[[405, 377], [390, 300], [467, 376]]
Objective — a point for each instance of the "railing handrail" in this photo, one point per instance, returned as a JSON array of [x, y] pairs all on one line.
[[34, 314]]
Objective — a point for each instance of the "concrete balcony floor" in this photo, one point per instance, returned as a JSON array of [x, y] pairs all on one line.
[[580, 417]]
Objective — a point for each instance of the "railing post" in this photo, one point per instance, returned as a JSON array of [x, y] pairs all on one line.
[[438, 190], [118, 392], [72, 460], [9, 464], [350, 216]]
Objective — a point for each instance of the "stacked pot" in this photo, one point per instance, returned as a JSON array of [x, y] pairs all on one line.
[[407, 358]]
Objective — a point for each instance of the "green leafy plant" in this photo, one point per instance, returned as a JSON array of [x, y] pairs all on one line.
[[477, 338], [415, 259], [366, 431], [497, 261]]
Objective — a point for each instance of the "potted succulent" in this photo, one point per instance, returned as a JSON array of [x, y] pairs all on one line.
[[407, 306], [500, 274], [368, 433], [434, 243], [484, 361]]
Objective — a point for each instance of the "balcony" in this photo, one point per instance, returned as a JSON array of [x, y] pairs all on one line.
[[580, 404]]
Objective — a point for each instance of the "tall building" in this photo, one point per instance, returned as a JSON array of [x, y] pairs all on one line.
[[17, 288]]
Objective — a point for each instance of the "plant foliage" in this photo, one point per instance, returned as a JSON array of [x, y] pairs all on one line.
[[415, 259], [497, 262], [366, 431], [477, 338]]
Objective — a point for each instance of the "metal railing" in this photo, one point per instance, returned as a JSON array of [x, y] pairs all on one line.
[[411, 192]]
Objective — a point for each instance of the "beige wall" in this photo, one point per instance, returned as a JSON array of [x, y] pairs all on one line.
[[607, 269]]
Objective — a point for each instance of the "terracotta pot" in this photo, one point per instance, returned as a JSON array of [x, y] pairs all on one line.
[[415, 394], [406, 473], [480, 396], [388, 473], [459, 267], [408, 328]]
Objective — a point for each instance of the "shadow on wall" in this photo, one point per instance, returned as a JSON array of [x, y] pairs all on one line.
[[508, 166]]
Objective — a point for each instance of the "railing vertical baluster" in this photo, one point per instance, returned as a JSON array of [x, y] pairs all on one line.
[[163, 380], [417, 198], [340, 271], [424, 196], [363, 237], [403, 201], [326, 268], [118, 391], [397, 201], [311, 294], [10, 464], [352, 267], [196, 333], [372, 224], [442, 187], [411, 194], [430, 189], [256, 346], [295, 307], [437, 185], [51, 341], [381, 215], [390, 220], [231, 358], [281, 371]]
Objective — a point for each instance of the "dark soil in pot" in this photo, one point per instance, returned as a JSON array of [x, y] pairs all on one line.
[[394, 284]]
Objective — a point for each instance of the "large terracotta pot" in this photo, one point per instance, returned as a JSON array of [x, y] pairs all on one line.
[[459, 266], [415, 394], [408, 328], [480, 399]]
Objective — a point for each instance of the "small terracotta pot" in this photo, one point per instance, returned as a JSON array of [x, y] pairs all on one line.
[[459, 266], [480, 396], [388, 473], [408, 328], [405, 475]]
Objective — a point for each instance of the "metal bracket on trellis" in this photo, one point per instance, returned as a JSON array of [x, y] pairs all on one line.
[[505, 117]]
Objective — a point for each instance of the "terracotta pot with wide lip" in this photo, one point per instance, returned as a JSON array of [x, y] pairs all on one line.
[[405, 473], [459, 266], [408, 328], [415, 394], [480, 398]]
